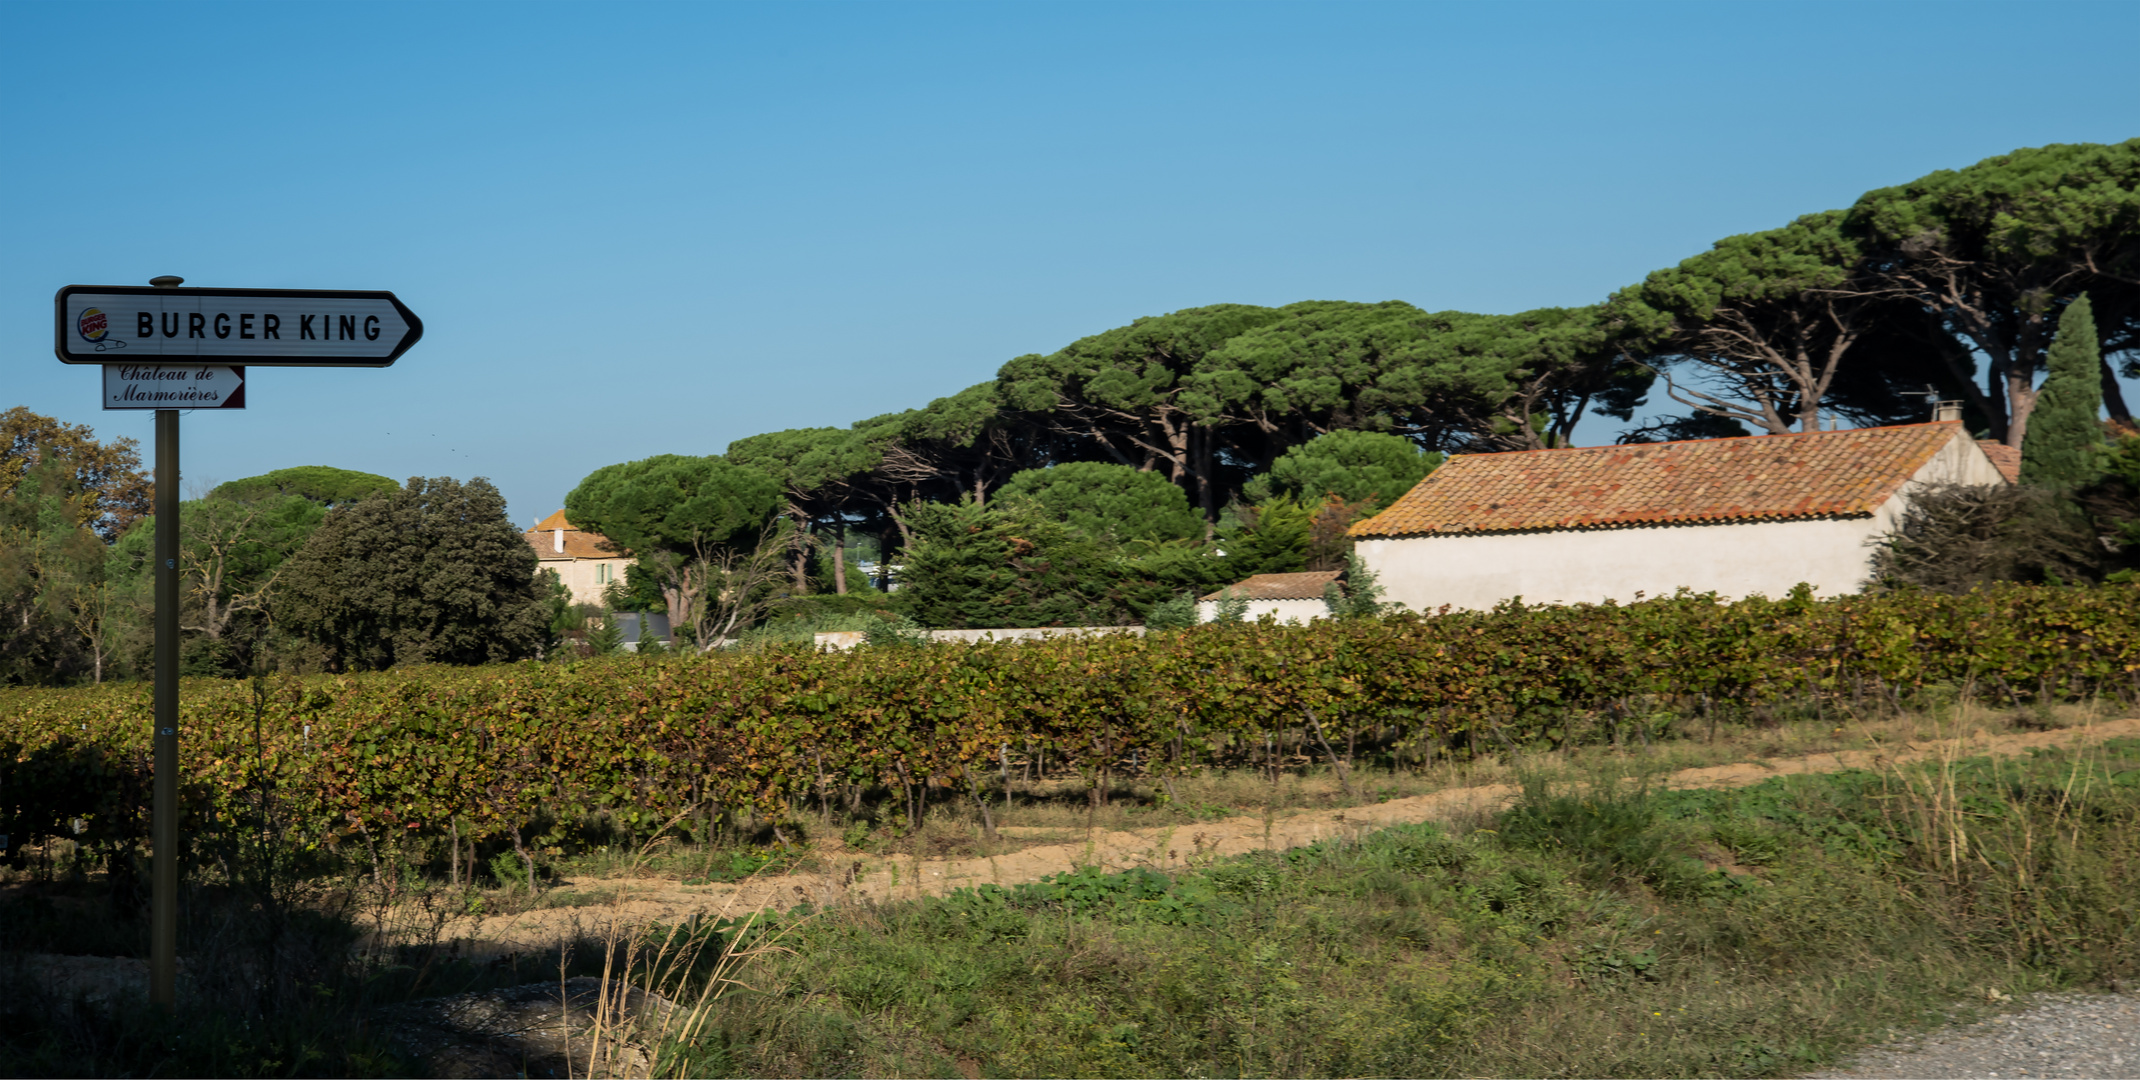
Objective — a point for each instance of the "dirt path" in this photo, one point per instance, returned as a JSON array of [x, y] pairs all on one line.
[[851, 876]]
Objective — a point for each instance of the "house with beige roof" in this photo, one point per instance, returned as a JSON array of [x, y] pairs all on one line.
[[1295, 598], [1734, 516], [584, 560]]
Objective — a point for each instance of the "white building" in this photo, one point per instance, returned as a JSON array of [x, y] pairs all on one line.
[[1733, 516], [1293, 598], [584, 560]]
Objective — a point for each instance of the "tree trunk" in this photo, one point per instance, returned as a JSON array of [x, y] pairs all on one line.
[[799, 552], [839, 557], [884, 561], [1207, 491], [2020, 402], [2114, 396]]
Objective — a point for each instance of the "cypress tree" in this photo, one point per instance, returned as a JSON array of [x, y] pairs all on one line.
[[2060, 447]]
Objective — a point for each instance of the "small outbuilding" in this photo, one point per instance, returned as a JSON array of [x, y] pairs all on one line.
[[1293, 598], [1734, 516]]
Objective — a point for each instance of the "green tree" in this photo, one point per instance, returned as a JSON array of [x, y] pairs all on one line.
[[1231, 607], [821, 473], [321, 484], [1358, 595], [638, 590], [1364, 467], [606, 637], [1274, 539], [1178, 613], [1986, 253], [1767, 317], [686, 520], [966, 444], [432, 573], [1108, 502], [2065, 436], [54, 600], [1124, 395], [1317, 368], [1516, 382], [235, 541], [1443, 379], [2113, 506], [105, 482], [1003, 565]]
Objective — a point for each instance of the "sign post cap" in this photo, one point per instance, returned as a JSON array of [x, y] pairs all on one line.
[[167, 281]]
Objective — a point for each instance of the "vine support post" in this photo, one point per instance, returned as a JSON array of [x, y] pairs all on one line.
[[1344, 774]]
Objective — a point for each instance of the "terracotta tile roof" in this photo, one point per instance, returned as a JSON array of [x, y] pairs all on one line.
[[1816, 474], [1307, 586], [579, 543], [2005, 457]]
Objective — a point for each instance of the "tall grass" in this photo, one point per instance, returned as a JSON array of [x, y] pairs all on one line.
[[1604, 928]]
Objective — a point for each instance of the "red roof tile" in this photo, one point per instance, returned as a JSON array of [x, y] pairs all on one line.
[[2005, 457], [579, 543], [1306, 586], [1772, 477]]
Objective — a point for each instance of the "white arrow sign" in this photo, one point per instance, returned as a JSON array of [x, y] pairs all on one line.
[[120, 324], [173, 386]]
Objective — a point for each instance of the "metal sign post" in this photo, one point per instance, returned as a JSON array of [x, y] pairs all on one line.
[[169, 348], [163, 820]]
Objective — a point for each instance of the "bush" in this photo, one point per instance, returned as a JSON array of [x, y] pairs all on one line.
[[1957, 537]]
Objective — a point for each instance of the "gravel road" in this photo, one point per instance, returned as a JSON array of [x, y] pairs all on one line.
[[2084, 1035]]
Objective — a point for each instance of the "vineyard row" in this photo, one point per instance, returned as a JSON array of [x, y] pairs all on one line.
[[508, 753]]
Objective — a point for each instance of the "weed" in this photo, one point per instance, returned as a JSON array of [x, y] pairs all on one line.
[[1585, 931]]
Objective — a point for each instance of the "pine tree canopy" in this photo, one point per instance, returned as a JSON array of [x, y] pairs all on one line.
[[1108, 501], [1356, 466]]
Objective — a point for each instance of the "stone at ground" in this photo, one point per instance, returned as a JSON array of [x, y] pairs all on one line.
[[2058, 1035]]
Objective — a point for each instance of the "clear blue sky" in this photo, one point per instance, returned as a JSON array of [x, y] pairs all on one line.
[[651, 228]]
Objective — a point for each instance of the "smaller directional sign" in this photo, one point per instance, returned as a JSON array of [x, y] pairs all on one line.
[[126, 324], [173, 386]]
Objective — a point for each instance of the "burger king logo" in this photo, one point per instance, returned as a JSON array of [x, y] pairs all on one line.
[[95, 328]]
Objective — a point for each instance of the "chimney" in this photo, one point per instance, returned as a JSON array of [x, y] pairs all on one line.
[[1944, 411], [560, 534]]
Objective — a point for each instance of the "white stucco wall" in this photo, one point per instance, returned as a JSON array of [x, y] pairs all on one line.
[[1591, 565], [1293, 611], [843, 640], [583, 576]]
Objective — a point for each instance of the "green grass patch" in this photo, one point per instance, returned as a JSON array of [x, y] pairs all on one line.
[[1607, 929]]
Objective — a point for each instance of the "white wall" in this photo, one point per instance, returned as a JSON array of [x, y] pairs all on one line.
[[1588, 566], [1577, 566], [581, 576], [1292, 611], [843, 640]]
